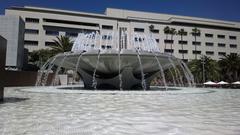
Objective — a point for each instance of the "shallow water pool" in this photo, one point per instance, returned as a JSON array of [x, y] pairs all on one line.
[[48, 110]]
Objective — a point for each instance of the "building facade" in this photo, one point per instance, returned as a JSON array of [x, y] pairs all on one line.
[[12, 29], [216, 39]]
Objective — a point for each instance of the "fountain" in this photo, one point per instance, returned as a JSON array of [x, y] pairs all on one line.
[[103, 61]]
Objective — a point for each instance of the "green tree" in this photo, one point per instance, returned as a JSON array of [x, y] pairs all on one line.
[[182, 33], [151, 28], [230, 67], [166, 31], [195, 32], [172, 33], [211, 69], [62, 44], [39, 57]]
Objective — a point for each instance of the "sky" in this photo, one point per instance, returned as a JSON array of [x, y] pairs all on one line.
[[214, 9]]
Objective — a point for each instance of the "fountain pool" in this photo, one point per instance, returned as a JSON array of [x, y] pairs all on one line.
[[116, 67], [48, 110], [169, 108]]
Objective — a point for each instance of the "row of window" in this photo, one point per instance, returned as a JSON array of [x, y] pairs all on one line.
[[75, 34], [35, 43], [194, 52], [110, 27], [36, 20], [198, 43], [208, 35], [47, 32], [109, 37], [47, 43], [221, 36], [56, 33]]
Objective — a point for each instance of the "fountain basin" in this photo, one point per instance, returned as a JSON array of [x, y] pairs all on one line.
[[111, 69]]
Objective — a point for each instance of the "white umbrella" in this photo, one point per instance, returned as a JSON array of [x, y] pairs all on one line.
[[237, 82], [209, 83], [222, 83]]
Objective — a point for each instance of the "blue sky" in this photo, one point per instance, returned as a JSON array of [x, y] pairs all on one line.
[[215, 9]]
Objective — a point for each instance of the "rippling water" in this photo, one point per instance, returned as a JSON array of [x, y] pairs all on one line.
[[182, 112]]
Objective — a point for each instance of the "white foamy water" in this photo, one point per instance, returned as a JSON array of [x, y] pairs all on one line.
[[181, 112]]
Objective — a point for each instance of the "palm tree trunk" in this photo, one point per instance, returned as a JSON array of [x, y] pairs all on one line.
[[182, 46], [165, 43], [171, 43], [195, 47]]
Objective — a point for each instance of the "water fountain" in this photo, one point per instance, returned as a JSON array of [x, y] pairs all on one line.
[[103, 61]]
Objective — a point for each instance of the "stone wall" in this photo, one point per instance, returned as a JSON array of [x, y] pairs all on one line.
[[20, 78], [3, 46]]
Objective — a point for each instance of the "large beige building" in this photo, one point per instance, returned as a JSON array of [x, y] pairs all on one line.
[[217, 37]]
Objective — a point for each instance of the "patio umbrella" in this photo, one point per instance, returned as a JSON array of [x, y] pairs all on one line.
[[237, 82], [209, 83], [222, 83]]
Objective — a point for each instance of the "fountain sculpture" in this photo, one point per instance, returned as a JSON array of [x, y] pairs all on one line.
[[103, 62]]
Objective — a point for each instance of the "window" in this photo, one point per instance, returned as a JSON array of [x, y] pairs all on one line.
[[103, 46], [107, 37], [209, 53], [71, 34], [169, 50], [196, 34], [71, 22], [108, 27], [209, 44], [208, 35], [196, 52], [109, 47], [221, 53], [53, 33], [233, 46], [233, 37], [155, 31], [168, 41], [31, 20], [221, 36], [157, 40], [138, 30], [31, 31], [182, 42], [106, 47], [49, 43], [183, 51], [221, 45], [30, 42], [196, 43], [139, 39], [233, 53], [185, 60]]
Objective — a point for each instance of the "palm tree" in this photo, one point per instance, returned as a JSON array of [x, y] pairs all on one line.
[[39, 57], [211, 69], [196, 32], [151, 28], [172, 33], [62, 44], [230, 67], [167, 32], [182, 32]]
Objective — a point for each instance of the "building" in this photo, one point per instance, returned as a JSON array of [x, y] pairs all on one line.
[[217, 37], [3, 48], [12, 29]]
